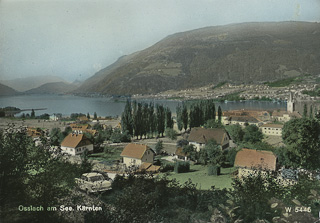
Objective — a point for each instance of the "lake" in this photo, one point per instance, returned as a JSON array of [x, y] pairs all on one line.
[[103, 106]]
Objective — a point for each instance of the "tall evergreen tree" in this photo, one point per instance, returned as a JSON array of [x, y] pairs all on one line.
[[138, 121], [145, 120], [179, 117], [126, 119], [88, 115], [95, 115], [160, 119], [33, 114], [169, 120], [219, 114], [185, 117], [152, 119], [192, 117]]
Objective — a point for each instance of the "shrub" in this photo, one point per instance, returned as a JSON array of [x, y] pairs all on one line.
[[167, 167], [181, 167], [213, 170]]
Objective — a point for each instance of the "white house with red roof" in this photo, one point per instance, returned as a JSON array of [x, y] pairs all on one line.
[[75, 144]]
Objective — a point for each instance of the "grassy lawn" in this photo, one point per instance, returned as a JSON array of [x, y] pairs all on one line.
[[199, 175], [113, 153]]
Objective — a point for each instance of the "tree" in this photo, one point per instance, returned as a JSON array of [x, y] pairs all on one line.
[[33, 114], [305, 111], [184, 117], [159, 146], [252, 194], [138, 121], [302, 139], [214, 153], [127, 119], [95, 115], [56, 136], [171, 134], [311, 112], [219, 114], [152, 120], [160, 119], [88, 115], [179, 117], [169, 120], [145, 118], [252, 134], [212, 124], [236, 132]]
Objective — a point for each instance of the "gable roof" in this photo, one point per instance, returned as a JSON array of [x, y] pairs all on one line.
[[74, 140], [202, 135], [135, 150], [250, 158], [79, 127]]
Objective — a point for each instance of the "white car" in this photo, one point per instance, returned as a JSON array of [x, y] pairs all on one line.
[[93, 182]]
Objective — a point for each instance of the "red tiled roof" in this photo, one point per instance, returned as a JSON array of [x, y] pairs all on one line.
[[249, 158], [74, 140], [134, 150]]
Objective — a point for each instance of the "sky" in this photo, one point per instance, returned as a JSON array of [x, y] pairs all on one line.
[[73, 39]]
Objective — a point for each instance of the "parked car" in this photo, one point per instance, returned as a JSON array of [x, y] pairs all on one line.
[[93, 183]]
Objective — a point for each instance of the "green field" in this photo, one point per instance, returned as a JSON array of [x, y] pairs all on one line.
[[199, 176], [111, 154]]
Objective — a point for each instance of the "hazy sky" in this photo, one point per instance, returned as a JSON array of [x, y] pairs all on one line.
[[76, 38]]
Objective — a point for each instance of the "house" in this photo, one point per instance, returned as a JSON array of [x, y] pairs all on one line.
[[272, 129], [200, 136], [75, 144], [250, 160], [285, 116], [78, 128], [136, 154], [241, 120], [180, 154]]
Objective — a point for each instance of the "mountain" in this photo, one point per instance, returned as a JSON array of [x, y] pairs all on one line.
[[237, 53], [7, 91], [53, 88], [27, 83]]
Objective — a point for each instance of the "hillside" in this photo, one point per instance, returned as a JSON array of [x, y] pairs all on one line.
[[53, 88], [237, 53], [7, 91], [27, 83]]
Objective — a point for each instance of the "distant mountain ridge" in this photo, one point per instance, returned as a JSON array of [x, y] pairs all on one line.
[[53, 88], [7, 91], [27, 83], [237, 53]]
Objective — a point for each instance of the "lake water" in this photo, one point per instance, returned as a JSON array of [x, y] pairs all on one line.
[[67, 104]]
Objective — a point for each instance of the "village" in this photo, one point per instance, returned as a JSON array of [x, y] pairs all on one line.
[[115, 154]]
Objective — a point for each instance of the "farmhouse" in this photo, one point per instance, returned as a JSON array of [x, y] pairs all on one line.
[[136, 154], [250, 160], [200, 136], [75, 144], [272, 129]]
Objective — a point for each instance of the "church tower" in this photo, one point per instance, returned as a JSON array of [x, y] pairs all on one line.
[[290, 103]]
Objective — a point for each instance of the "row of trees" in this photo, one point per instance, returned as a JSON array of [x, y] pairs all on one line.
[[198, 114], [142, 119]]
